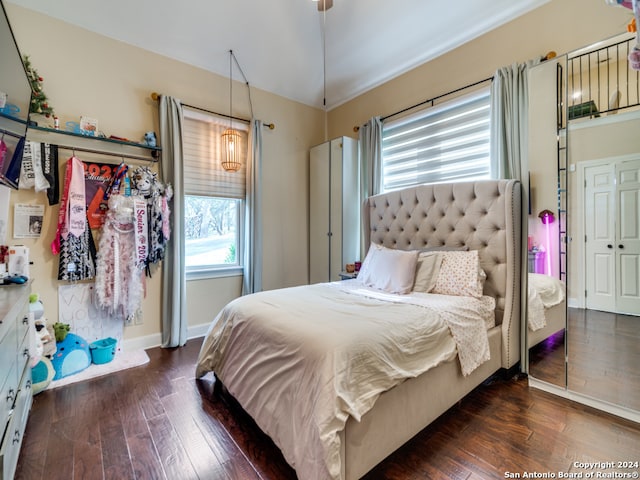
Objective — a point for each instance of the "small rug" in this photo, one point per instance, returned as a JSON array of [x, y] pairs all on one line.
[[121, 361]]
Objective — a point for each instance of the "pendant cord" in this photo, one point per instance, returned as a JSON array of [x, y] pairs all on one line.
[[245, 80]]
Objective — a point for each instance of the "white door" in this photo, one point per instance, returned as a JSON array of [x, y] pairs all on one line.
[[612, 225], [600, 237], [628, 237]]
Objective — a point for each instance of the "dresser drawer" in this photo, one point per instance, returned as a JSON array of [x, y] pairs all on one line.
[[8, 393], [23, 357], [10, 448], [8, 347]]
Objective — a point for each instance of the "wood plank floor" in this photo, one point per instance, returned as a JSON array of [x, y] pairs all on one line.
[[157, 422]]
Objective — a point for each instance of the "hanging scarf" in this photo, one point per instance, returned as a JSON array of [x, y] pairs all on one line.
[[73, 193], [49, 156], [3, 152], [73, 241], [142, 240], [10, 176]]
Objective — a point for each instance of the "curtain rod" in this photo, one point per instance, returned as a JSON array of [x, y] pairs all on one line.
[[128, 156], [156, 96], [431, 100]]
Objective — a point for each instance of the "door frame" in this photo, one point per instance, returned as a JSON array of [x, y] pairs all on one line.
[[578, 288]]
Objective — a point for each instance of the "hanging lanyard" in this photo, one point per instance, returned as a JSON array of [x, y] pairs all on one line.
[[114, 185]]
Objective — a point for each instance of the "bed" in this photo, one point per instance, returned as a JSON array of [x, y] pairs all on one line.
[[316, 407], [546, 313]]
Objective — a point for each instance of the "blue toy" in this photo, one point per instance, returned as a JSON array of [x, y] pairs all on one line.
[[150, 139], [41, 375], [73, 356]]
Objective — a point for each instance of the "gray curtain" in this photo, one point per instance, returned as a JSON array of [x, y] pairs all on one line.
[[252, 279], [509, 125], [174, 303], [370, 139]]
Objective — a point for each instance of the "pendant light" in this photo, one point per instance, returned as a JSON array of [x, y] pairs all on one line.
[[231, 137]]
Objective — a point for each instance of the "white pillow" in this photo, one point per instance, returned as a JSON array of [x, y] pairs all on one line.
[[460, 274], [389, 269], [427, 269]]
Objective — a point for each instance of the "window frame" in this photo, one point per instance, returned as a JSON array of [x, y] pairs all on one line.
[[221, 270], [201, 272]]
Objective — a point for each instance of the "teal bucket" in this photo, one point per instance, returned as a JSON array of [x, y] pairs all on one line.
[[103, 351]]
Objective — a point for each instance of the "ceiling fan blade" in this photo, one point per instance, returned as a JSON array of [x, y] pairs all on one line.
[[324, 5]]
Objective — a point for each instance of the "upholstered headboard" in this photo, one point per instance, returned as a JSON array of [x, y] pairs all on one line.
[[482, 215]]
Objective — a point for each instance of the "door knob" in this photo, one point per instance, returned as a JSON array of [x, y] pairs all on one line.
[[620, 246], [609, 246]]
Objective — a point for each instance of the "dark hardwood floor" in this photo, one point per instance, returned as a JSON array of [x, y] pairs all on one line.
[[157, 422]]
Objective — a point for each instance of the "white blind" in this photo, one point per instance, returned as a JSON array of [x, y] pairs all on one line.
[[445, 143], [203, 152]]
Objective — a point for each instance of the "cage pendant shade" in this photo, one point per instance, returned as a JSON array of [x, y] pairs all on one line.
[[231, 148], [230, 137]]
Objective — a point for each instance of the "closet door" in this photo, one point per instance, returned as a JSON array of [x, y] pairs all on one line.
[[319, 214], [335, 210], [627, 246], [351, 204]]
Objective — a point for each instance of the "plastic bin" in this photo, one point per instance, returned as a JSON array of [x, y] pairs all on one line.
[[103, 351]]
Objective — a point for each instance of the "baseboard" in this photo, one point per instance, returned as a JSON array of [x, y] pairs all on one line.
[[617, 410], [155, 340]]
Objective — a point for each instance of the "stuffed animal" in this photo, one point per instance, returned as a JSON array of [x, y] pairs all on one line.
[[46, 338], [61, 330], [73, 356], [150, 139]]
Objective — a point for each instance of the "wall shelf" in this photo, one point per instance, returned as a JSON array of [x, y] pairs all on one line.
[[99, 145]]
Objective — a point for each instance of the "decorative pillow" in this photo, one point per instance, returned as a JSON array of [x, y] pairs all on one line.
[[427, 269], [388, 269], [460, 275]]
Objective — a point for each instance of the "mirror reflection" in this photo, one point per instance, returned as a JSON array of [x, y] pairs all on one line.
[[547, 221], [15, 91], [598, 178]]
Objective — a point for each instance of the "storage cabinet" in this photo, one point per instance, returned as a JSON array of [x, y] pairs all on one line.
[[15, 374], [334, 208]]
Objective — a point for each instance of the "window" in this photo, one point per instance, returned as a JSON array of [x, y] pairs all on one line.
[[445, 143], [214, 199]]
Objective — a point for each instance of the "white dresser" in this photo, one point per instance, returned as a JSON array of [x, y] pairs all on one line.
[[15, 374]]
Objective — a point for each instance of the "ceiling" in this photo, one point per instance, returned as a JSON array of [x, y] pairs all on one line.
[[279, 44]]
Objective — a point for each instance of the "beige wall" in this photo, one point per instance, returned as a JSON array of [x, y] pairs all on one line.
[[88, 74]]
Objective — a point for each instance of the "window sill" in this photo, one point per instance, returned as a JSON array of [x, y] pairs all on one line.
[[215, 273]]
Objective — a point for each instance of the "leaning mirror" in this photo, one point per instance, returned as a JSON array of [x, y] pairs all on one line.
[[15, 91], [546, 303]]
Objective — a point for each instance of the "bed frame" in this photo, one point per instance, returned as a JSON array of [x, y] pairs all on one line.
[[556, 321], [483, 216]]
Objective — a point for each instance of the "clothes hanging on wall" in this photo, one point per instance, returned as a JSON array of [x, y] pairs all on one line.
[[73, 241], [119, 284]]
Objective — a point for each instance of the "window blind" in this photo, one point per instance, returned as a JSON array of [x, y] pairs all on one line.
[[445, 143], [203, 152]]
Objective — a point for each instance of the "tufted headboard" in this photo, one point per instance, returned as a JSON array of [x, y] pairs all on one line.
[[482, 215]]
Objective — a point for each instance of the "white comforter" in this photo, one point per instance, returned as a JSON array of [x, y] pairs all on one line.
[[301, 360], [544, 292]]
